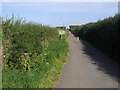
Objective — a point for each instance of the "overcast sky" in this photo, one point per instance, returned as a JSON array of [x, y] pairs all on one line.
[[59, 13]]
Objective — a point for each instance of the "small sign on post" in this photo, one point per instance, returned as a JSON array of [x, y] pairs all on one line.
[[61, 33]]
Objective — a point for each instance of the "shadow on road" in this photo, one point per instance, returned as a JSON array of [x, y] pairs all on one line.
[[104, 63]]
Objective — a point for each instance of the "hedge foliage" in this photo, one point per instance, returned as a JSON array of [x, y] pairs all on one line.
[[31, 51], [104, 35], [24, 40], [74, 29]]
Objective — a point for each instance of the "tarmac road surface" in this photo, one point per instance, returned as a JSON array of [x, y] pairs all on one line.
[[87, 67]]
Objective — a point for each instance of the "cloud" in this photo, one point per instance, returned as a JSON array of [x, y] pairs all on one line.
[[60, 0]]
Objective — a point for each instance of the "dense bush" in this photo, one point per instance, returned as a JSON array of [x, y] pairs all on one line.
[[23, 41], [31, 51], [62, 27], [0, 31], [104, 35], [74, 29]]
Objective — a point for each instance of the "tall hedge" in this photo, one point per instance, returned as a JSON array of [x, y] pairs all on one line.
[[104, 35], [23, 40], [31, 51], [74, 29]]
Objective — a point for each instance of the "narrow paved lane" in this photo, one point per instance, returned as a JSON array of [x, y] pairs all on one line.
[[86, 67]]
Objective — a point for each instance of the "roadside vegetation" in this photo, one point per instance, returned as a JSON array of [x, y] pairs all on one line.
[[103, 34], [0, 31], [33, 54]]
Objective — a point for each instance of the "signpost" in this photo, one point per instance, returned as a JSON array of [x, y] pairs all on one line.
[[61, 33]]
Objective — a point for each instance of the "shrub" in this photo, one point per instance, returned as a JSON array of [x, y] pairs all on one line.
[[104, 35], [31, 51]]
